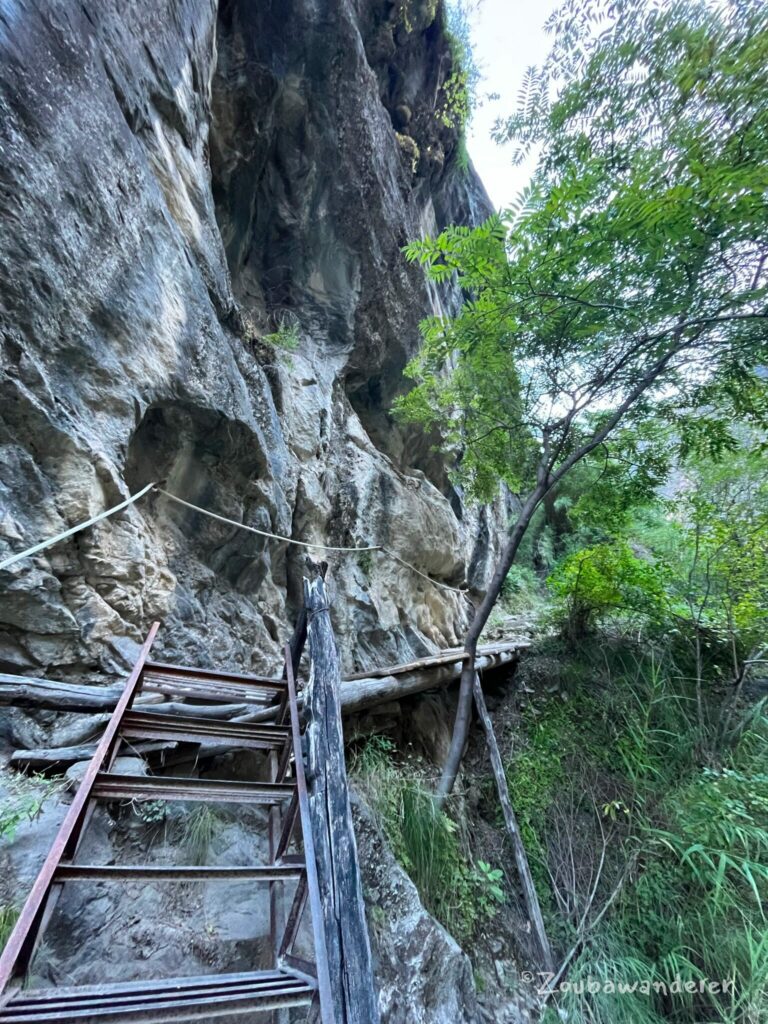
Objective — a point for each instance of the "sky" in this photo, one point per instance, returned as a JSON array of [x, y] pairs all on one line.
[[508, 36]]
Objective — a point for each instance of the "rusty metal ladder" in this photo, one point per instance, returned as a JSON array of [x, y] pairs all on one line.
[[291, 981]]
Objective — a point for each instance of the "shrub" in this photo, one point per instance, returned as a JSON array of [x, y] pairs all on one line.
[[606, 578], [287, 333], [522, 590], [198, 832]]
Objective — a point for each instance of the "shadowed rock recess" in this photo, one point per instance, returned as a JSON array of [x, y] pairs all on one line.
[[178, 179]]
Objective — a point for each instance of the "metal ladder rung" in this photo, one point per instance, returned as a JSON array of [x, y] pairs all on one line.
[[181, 999], [146, 725], [179, 873], [110, 786]]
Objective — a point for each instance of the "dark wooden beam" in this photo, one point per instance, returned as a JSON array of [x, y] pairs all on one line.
[[348, 947]]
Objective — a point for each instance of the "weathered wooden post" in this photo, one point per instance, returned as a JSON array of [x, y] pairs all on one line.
[[521, 858], [347, 944]]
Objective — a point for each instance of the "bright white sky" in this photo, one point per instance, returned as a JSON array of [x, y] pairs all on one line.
[[508, 36]]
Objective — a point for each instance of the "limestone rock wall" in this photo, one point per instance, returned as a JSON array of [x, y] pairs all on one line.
[[177, 179]]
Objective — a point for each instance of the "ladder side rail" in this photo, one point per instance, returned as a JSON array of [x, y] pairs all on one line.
[[15, 956]]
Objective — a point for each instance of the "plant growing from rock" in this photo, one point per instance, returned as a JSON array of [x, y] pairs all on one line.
[[8, 916], [426, 841], [24, 800], [200, 827], [287, 333]]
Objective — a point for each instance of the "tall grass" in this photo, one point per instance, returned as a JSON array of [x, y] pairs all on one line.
[[200, 827], [693, 912], [8, 916], [423, 838]]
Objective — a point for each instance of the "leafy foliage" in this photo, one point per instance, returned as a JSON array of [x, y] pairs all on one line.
[[630, 276], [605, 578], [460, 90], [691, 908], [286, 336], [626, 291]]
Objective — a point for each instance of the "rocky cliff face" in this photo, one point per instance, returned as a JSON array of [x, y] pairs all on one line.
[[177, 179]]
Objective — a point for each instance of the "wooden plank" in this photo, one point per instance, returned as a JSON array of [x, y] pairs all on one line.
[[26, 692], [63, 757], [29, 692], [432, 660], [360, 690], [358, 694], [454, 655], [521, 859], [341, 893]]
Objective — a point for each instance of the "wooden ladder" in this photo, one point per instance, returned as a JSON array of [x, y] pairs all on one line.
[[291, 981]]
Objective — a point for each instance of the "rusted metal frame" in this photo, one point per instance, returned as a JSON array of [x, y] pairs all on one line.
[[231, 740], [216, 726], [294, 917], [148, 986], [298, 963], [167, 787], [275, 891], [20, 945], [162, 668], [182, 1013], [293, 860], [279, 843], [113, 996], [285, 761], [296, 644], [290, 820], [316, 909], [171, 873], [71, 848], [282, 709]]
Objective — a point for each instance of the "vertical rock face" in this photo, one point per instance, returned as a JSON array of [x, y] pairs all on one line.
[[178, 178]]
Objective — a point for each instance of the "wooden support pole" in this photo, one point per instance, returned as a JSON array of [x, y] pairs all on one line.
[[348, 947], [357, 693], [521, 858], [26, 692]]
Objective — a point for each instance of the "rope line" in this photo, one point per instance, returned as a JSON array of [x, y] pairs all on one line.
[[310, 544], [262, 533], [75, 529], [223, 519]]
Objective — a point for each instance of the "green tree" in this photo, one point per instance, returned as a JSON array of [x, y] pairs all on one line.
[[629, 282]]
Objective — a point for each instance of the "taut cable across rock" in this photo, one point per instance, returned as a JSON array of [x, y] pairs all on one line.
[[314, 545]]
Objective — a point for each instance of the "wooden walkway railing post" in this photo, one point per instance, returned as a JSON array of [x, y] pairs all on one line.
[[347, 944]]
